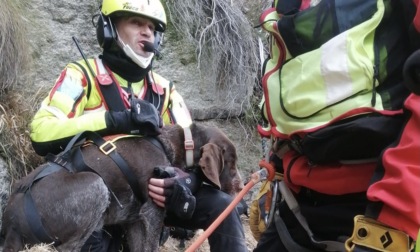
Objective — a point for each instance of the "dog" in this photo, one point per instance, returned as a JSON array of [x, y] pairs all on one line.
[[71, 205]]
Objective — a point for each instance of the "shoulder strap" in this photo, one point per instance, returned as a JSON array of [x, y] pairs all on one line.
[[155, 94], [291, 202], [108, 88]]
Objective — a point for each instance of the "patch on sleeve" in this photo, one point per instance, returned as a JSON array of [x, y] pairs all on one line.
[[67, 92], [71, 84]]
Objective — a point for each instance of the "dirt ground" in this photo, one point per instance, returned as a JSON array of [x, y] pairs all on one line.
[[173, 245]]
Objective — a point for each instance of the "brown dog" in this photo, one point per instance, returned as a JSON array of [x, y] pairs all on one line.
[[73, 205]]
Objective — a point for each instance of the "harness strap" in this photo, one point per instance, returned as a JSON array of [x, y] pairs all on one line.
[[156, 143], [72, 160], [32, 215], [108, 148], [272, 204], [189, 147], [153, 93], [108, 88], [294, 207], [80, 164], [285, 237]]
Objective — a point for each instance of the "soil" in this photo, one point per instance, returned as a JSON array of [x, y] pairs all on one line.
[[172, 244], [175, 245]]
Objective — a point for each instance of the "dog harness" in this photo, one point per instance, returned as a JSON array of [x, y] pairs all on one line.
[[72, 160]]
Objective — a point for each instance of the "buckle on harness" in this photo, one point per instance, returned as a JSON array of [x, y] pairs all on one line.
[[107, 147], [189, 144]]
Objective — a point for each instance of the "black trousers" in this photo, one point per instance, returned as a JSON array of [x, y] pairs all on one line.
[[110, 239], [229, 235], [329, 218], [210, 203]]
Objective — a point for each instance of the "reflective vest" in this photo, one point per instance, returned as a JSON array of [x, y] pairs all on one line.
[[307, 90], [76, 93]]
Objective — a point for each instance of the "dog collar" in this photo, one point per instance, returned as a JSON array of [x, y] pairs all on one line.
[[189, 147]]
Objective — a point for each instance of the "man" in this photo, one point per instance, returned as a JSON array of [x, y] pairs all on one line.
[[351, 171], [119, 93]]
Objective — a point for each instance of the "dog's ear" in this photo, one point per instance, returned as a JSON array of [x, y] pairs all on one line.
[[211, 163]]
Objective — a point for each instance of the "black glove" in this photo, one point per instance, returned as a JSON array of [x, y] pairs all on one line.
[[242, 208], [141, 119], [179, 187]]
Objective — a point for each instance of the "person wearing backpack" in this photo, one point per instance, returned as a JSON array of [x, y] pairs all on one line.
[[119, 93], [342, 110]]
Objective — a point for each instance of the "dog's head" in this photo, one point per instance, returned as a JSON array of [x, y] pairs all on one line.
[[212, 163], [218, 161], [214, 152]]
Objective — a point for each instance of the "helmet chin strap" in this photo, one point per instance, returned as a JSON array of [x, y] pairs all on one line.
[[142, 62]]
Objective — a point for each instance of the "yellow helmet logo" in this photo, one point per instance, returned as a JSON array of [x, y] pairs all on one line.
[[128, 6]]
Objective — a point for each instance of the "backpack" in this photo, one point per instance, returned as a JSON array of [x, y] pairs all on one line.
[[332, 79]]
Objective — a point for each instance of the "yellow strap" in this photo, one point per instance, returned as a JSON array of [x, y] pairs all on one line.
[[115, 138]]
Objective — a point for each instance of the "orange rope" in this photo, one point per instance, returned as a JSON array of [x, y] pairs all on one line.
[[270, 169], [255, 178]]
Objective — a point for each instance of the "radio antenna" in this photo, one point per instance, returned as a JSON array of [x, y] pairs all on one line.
[[83, 55]]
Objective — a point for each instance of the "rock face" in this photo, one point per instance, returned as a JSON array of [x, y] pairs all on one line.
[[54, 23], [4, 186]]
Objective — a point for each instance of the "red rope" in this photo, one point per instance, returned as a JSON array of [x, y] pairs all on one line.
[[255, 178]]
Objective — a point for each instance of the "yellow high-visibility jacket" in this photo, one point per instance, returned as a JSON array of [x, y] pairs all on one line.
[[76, 104]]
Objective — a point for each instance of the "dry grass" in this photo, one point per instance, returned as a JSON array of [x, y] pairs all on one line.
[[13, 44], [40, 248], [225, 47], [171, 245], [16, 109], [16, 112]]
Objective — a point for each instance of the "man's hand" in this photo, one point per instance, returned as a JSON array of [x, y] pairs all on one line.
[[173, 189], [145, 114], [142, 118]]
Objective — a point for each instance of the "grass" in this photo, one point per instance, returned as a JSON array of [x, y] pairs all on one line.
[[16, 108], [225, 50], [14, 52], [16, 112]]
